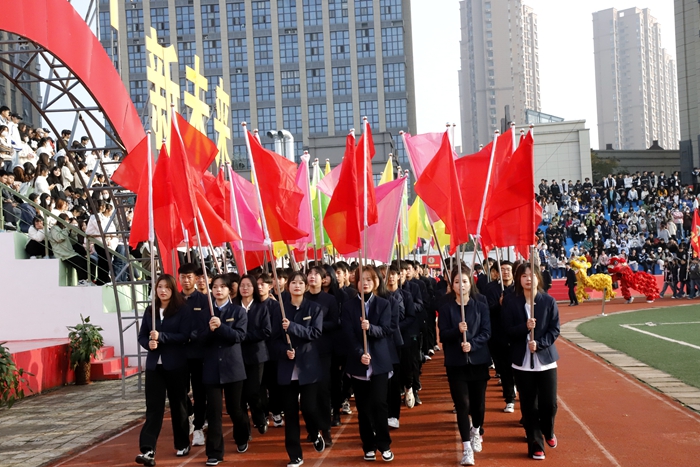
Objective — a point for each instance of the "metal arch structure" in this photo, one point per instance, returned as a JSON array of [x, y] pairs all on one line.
[[52, 48]]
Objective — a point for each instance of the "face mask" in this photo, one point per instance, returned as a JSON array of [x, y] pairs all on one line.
[[4, 134], [105, 197]]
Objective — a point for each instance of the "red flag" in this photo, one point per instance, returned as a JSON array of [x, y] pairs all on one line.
[[165, 214], [439, 188], [344, 219], [133, 167], [512, 216], [201, 151], [183, 176], [695, 234], [219, 231], [216, 192], [281, 197]]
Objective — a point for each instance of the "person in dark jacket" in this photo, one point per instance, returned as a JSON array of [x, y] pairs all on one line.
[[370, 368], [224, 371], [467, 358], [546, 277], [331, 325], [534, 361], [166, 369], [571, 284], [411, 359], [270, 395], [255, 352], [293, 342]]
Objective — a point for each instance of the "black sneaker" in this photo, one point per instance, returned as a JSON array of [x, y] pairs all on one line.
[[295, 462], [387, 456], [319, 444], [418, 401], [212, 461], [262, 429], [241, 448], [336, 420], [146, 458], [182, 452], [327, 438], [370, 456]]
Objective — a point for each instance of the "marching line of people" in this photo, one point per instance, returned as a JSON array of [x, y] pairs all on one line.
[[316, 345]]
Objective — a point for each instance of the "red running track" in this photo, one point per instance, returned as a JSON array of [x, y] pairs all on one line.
[[605, 418]]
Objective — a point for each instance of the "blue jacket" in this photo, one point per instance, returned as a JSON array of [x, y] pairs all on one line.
[[173, 333], [476, 315], [493, 295], [409, 314], [259, 330], [198, 308], [378, 336], [546, 329], [413, 291], [331, 320], [398, 313], [305, 327], [223, 359]]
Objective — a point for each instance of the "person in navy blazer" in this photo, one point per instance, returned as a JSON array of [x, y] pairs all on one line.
[[299, 365], [224, 370], [166, 369], [466, 361], [534, 362], [255, 352], [370, 370]]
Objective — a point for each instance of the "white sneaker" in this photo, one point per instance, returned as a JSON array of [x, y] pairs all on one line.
[[475, 439], [510, 407], [198, 438], [409, 398], [467, 457], [277, 420], [345, 408], [393, 422]]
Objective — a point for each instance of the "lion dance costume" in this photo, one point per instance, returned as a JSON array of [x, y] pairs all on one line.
[[640, 281], [600, 282]]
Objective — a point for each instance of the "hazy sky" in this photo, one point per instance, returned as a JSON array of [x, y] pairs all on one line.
[[567, 70]]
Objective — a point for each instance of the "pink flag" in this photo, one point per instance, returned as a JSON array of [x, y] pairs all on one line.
[[380, 236], [305, 220], [248, 214], [422, 149], [329, 182]]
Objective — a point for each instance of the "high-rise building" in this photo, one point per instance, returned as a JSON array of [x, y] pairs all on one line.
[[312, 67], [635, 81], [687, 50], [16, 100], [499, 75]]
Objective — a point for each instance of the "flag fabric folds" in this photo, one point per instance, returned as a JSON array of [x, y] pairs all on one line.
[[133, 167], [281, 197], [388, 173], [695, 234], [305, 218]]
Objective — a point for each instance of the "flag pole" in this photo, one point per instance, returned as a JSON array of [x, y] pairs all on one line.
[[267, 240], [211, 245], [396, 225], [234, 212], [498, 258], [305, 160], [477, 239], [151, 233], [204, 267], [360, 256], [187, 243], [461, 293]]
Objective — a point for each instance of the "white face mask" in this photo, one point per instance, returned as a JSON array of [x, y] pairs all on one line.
[[5, 134], [105, 197]]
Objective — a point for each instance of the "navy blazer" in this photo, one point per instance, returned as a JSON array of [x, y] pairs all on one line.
[[259, 330], [413, 292], [546, 330], [476, 315], [305, 327], [331, 320], [173, 334], [223, 358], [397, 314], [198, 308], [493, 295], [378, 336], [409, 315]]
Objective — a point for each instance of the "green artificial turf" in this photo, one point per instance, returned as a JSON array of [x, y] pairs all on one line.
[[675, 359]]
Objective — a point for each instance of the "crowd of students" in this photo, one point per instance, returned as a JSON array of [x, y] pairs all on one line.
[[315, 344]]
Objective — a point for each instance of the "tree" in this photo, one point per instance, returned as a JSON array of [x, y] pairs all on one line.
[[602, 166]]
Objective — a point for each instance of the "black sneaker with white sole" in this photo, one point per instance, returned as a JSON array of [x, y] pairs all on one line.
[[370, 456], [182, 452], [146, 458], [212, 461], [387, 456], [319, 444], [241, 448], [296, 462]]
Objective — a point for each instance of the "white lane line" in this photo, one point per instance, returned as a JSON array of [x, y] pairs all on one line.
[[663, 324], [629, 378], [72, 458], [335, 440], [675, 341], [590, 434]]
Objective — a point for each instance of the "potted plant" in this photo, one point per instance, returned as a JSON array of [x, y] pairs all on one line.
[[85, 341], [11, 379]]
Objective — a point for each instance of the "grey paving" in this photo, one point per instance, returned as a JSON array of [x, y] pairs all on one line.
[[659, 380], [43, 428]]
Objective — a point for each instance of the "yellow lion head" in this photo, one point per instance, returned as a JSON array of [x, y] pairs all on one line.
[[579, 263]]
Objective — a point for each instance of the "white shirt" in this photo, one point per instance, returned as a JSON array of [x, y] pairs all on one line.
[[160, 313], [536, 359]]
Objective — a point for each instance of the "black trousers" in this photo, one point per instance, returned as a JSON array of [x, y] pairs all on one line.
[[572, 295], [538, 405], [215, 434], [35, 248], [324, 395], [292, 395], [393, 395], [500, 353], [199, 393], [373, 412], [102, 266], [337, 374], [160, 382], [251, 395], [429, 332], [270, 392], [410, 356], [469, 398], [80, 265]]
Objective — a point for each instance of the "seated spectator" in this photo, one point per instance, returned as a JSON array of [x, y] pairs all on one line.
[[36, 247], [62, 240], [27, 214], [10, 210]]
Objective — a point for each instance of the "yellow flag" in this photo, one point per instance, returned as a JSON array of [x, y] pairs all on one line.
[[442, 237], [418, 225], [327, 169], [388, 174], [114, 14], [280, 249]]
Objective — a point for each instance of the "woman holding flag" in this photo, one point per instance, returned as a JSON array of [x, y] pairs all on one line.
[[533, 356], [464, 338]]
